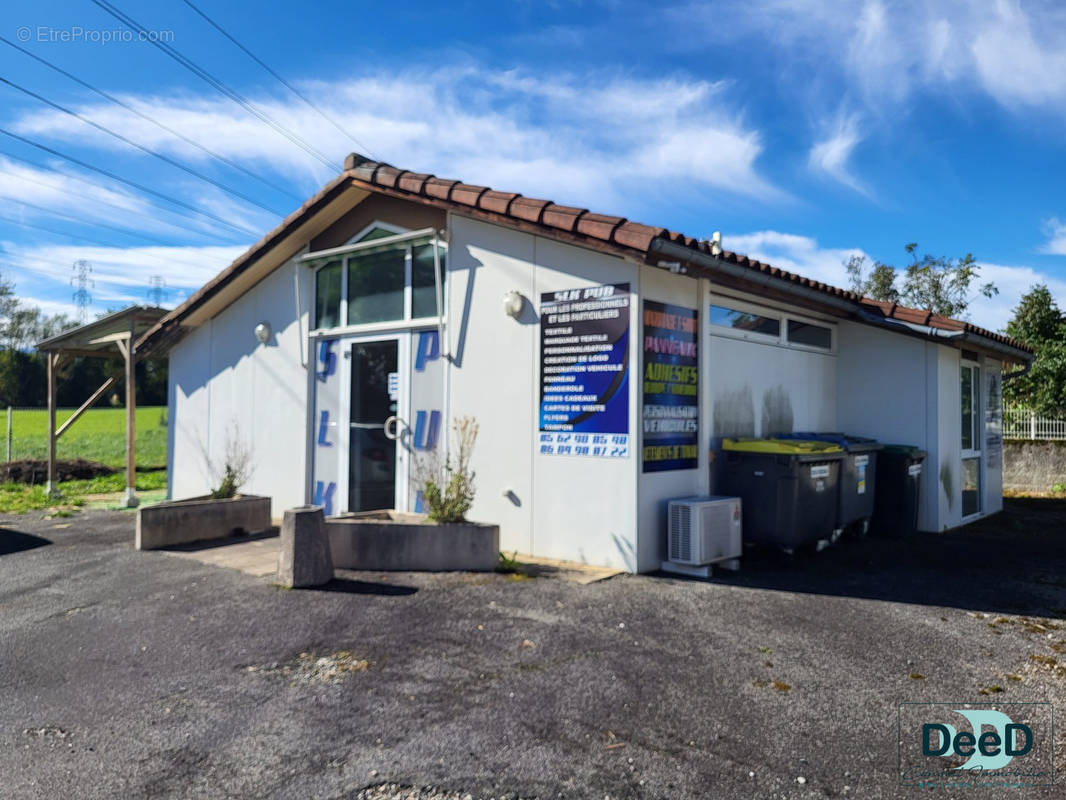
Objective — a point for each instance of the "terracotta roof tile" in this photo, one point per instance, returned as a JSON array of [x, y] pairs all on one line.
[[497, 202], [597, 230], [529, 209], [637, 236], [562, 217], [412, 182], [467, 194], [599, 226], [438, 188]]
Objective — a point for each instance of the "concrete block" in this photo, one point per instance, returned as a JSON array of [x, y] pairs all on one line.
[[391, 540], [174, 522], [304, 559]]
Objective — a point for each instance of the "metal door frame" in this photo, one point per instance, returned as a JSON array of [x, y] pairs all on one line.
[[403, 361]]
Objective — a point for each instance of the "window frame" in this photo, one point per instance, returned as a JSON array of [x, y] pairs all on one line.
[[408, 239], [784, 317], [976, 451]]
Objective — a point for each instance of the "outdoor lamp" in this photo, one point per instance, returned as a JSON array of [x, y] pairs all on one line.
[[262, 332], [512, 304]]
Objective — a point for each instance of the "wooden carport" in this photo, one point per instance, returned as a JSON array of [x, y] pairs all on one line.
[[98, 339]]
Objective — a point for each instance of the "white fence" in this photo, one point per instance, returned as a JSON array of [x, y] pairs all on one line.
[[1021, 423]]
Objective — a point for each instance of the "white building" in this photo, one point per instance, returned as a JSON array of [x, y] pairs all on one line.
[[555, 323]]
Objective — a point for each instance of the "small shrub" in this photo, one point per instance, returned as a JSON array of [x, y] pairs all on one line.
[[237, 466], [508, 563], [1059, 488], [449, 490], [228, 486]]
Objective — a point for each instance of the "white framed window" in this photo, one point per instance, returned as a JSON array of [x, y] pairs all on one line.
[[971, 416], [385, 275], [740, 320]]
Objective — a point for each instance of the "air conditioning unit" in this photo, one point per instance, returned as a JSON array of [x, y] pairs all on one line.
[[704, 530]]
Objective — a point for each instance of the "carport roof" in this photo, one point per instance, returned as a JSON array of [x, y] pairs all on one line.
[[97, 338], [616, 235]]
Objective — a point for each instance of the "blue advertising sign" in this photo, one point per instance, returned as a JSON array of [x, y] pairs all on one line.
[[584, 372], [671, 388]]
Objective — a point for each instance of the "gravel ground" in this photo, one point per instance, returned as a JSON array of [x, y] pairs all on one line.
[[144, 675]]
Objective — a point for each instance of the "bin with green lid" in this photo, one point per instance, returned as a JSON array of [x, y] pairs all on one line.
[[858, 475], [788, 488], [898, 494]]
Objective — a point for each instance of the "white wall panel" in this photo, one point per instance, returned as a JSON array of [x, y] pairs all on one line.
[[494, 372], [585, 508], [225, 384], [656, 488]]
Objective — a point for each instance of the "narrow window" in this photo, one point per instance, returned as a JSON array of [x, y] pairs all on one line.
[[328, 295], [805, 333], [375, 286], [967, 393], [423, 280], [744, 321]]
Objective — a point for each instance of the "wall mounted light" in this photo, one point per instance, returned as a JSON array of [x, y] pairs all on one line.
[[262, 332], [512, 304]]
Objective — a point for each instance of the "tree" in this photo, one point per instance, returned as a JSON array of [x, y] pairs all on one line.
[[940, 284], [1039, 323], [880, 284]]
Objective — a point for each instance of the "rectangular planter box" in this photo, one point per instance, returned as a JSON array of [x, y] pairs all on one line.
[[200, 518], [392, 540]]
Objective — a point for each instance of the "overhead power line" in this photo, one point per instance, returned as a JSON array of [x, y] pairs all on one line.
[[96, 242], [282, 80], [139, 187], [147, 117], [123, 231], [97, 200], [206, 76], [149, 151]]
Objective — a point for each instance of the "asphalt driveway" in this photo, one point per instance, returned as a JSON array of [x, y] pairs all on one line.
[[145, 675]]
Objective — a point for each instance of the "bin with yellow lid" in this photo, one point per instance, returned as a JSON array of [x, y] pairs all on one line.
[[788, 488]]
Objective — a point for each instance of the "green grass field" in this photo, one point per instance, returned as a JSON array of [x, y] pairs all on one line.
[[99, 435]]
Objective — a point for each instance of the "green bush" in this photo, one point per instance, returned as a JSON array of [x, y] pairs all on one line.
[[449, 491]]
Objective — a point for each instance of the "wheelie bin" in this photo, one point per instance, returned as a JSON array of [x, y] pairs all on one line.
[[858, 478], [788, 489], [898, 494]]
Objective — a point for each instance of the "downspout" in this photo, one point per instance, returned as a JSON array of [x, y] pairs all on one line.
[[1018, 372]]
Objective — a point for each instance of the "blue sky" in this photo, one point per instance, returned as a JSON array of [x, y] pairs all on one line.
[[805, 132]]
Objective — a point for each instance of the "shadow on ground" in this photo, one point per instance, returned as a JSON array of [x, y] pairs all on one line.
[[16, 541], [211, 544], [1013, 562], [350, 586]]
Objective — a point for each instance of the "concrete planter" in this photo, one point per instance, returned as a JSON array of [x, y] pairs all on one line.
[[392, 540], [200, 518]]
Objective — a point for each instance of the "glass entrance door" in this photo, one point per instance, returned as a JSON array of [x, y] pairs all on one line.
[[375, 397], [970, 390]]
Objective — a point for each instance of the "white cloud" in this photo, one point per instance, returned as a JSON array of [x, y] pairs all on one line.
[[831, 155], [804, 256], [589, 138], [1056, 233], [799, 254], [1012, 52]]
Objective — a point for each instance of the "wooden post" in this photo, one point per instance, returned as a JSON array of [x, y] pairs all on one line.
[[50, 487], [126, 346]]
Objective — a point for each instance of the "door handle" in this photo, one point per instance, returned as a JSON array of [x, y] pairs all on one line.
[[391, 427]]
